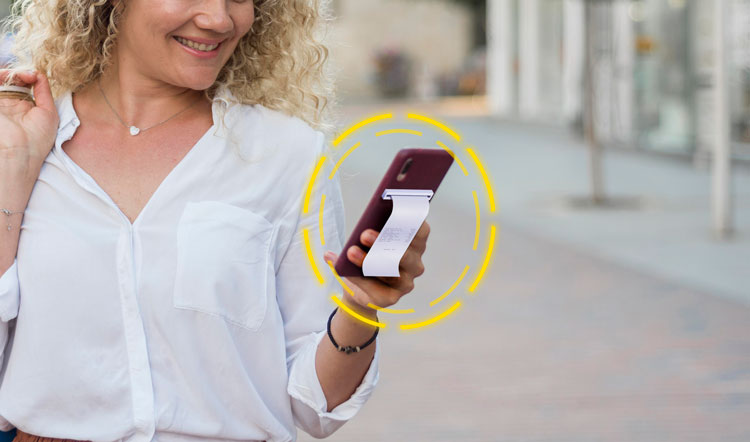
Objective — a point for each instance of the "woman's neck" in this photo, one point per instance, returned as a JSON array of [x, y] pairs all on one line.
[[137, 100]]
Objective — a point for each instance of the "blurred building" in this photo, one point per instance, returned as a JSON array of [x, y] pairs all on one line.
[[398, 47], [5, 40], [407, 48], [651, 65]]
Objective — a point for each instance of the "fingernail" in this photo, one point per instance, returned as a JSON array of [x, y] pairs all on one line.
[[371, 236], [359, 254]]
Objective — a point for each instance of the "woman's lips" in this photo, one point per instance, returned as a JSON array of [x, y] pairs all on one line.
[[198, 53]]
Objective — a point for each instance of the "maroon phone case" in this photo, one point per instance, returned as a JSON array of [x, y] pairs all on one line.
[[427, 170]]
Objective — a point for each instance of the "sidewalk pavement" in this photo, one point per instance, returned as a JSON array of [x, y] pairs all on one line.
[[591, 325]]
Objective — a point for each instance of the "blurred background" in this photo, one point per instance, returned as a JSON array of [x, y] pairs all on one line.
[[616, 134], [617, 137]]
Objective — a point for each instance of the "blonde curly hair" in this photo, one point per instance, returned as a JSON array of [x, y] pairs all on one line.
[[279, 63]]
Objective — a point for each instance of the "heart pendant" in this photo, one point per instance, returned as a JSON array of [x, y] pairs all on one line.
[[134, 130]]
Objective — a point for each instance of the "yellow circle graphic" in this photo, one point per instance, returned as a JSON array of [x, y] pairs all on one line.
[[477, 214]]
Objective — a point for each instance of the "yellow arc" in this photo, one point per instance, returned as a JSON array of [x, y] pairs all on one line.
[[432, 320], [436, 123], [308, 249], [453, 287], [359, 125], [347, 309], [485, 178], [486, 260]]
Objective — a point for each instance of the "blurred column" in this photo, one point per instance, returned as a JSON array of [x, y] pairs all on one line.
[[721, 167], [593, 26], [529, 58], [500, 57], [601, 64], [702, 35], [623, 60], [573, 46]]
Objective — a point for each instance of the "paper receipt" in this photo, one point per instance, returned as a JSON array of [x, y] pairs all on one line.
[[383, 258]]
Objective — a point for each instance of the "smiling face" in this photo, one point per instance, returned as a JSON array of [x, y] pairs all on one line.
[[175, 41]]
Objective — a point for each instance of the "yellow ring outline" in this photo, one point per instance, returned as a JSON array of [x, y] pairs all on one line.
[[453, 287], [436, 123], [398, 131], [455, 158], [341, 281], [490, 195], [432, 320], [308, 249], [369, 304], [341, 160], [477, 214], [391, 310], [348, 309], [320, 219], [485, 178], [360, 125], [486, 259], [311, 183]]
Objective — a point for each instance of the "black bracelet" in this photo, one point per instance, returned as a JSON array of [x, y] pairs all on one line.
[[348, 349]]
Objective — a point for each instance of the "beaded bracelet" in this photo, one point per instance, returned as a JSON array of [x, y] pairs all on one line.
[[348, 349]]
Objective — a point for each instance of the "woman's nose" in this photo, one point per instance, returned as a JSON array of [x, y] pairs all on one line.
[[214, 15]]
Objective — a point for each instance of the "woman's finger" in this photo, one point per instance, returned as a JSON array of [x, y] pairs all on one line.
[[43, 93], [358, 295], [366, 290], [13, 103], [356, 255], [368, 237], [18, 78], [419, 243], [402, 284], [411, 263], [381, 295]]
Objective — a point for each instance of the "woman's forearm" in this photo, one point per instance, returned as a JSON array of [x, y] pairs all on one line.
[[16, 184], [340, 373]]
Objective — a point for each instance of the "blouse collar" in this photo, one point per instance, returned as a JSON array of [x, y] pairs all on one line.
[[69, 119]]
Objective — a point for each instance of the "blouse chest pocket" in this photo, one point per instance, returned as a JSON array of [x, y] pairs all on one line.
[[223, 263]]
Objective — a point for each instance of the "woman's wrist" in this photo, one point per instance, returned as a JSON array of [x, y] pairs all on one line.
[[366, 311], [17, 179], [15, 159], [14, 193]]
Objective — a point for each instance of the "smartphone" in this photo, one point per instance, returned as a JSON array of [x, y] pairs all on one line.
[[412, 168]]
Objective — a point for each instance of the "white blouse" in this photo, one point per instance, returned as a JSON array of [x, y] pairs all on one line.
[[199, 321]]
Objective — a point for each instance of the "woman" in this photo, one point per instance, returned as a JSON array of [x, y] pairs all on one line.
[[152, 259]]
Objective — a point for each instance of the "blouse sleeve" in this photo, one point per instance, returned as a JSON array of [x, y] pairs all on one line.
[[9, 303], [305, 305]]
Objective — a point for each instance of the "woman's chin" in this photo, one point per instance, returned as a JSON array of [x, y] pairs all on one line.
[[195, 81], [198, 85]]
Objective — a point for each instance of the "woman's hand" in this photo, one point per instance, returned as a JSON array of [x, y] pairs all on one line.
[[28, 130], [384, 291]]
